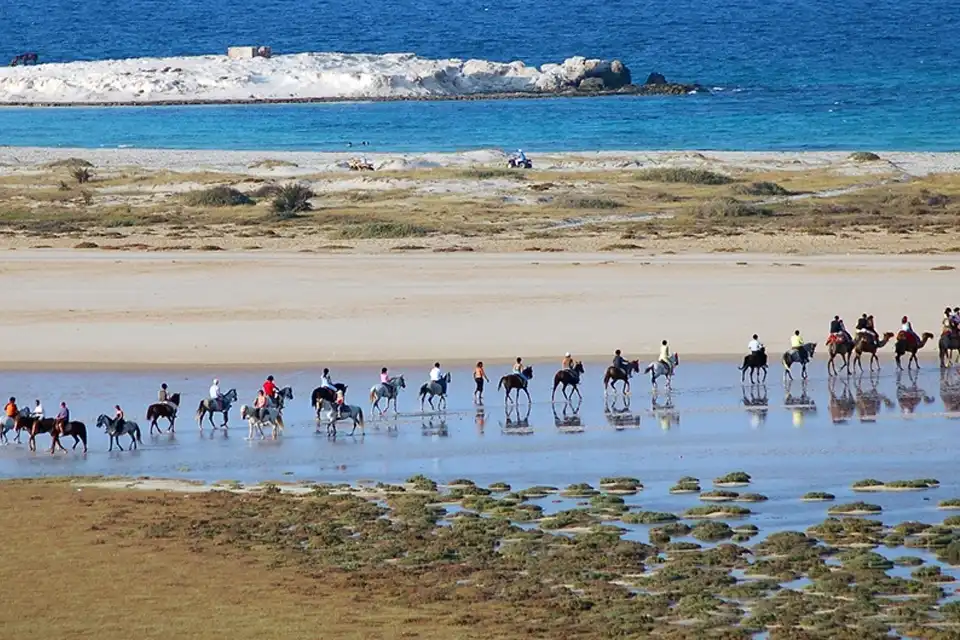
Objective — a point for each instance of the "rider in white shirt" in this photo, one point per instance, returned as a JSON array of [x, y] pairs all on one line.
[[215, 389], [326, 382], [436, 375], [754, 345], [37, 411]]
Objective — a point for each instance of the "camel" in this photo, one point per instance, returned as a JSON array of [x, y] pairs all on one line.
[[903, 346], [949, 342], [842, 349], [866, 343]]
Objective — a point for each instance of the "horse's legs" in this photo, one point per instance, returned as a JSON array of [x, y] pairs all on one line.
[[171, 429], [529, 401], [133, 442]]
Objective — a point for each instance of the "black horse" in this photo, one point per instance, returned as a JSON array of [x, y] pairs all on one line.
[[163, 410], [568, 378], [326, 393], [518, 382], [49, 425], [756, 362], [614, 373]]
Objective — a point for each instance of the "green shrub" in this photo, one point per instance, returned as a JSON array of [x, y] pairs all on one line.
[[382, 230], [908, 561], [619, 480], [709, 511], [422, 483], [291, 200], [952, 503], [711, 531], [219, 196], [736, 477], [854, 507], [82, 175], [683, 175], [728, 208], [719, 495], [818, 495], [685, 487], [499, 487], [752, 497], [869, 482], [761, 189], [581, 202], [579, 490], [647, 517]]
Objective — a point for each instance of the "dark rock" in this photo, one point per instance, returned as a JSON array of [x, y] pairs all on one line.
[[613, 75], [591, 84], [655, 78]]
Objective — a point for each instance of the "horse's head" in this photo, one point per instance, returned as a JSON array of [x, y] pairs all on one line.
[[810, 347], [634, 365], [675, 359], [24, 412], [230, 396], [528, 372], [287, 392], [447, 378], [103, 421], [401, 382], [578, 367], [175, 399], [244, 412]]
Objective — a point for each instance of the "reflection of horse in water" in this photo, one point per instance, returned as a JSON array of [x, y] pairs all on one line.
[[870, 402], [910, 396], [843, 406], [568, 420], [513, 423], [950, 392], [620, 417], [799, 405], [664, 412], [757, 403], [439, 428]]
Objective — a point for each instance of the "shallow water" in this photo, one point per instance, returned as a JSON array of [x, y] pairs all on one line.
[[703, 428]]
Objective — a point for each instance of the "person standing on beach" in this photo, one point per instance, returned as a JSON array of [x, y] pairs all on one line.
[[479, 376]]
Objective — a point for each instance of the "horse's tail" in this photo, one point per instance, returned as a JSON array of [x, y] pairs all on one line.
[[136, 433], [423, 390], [648, 369], [150, 412], [360, 415], [500, 384], [80, 430], [373, 395], [200, 410]]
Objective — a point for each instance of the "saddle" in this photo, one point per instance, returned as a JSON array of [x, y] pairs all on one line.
[[215, 405], [908, 338]]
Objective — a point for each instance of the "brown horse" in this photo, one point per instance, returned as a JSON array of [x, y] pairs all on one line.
[[49, 425], [568, 378], [515, 381], [614, 374], [842, 349], [908, 344], [163, 410], [867, 343]]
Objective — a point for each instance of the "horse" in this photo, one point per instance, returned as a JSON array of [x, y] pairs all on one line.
[[516, 381], [286, 393], [24, 59], [658, 368], [272, 416], [116, 427], [210, 406], [166, 410], [908, 344], [347, 412], [389, 390], [568, 378], [755, 361], [435, 388], [842, 348], [49, 425], [793, 356], [613, 374], [867, 343], [326, 393], [20, 422]]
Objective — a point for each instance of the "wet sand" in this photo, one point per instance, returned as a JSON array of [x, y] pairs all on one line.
[[123, 311]]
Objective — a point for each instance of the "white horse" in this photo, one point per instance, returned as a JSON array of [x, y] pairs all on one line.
[[658, 369], [389, 390], [435, 388], [272, 416], [347, 412], [115, 430]]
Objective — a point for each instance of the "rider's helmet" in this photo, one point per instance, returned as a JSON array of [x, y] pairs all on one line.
[[566, 355], [163, 386]]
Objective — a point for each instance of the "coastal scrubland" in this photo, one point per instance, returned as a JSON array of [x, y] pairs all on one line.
[[666, 202]]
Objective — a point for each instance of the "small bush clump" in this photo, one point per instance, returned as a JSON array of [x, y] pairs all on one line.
[[736, 477], [716, 511], [864, 156], [818, 496], [854, 507], [728, 208], [761, 189], [291, 200], [648, 517], [219, 196], [683, 175]]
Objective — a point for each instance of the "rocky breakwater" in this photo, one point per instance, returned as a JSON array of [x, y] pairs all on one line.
[[602, 77]]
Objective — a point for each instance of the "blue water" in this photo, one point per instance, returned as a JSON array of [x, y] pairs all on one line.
[[811, 74]]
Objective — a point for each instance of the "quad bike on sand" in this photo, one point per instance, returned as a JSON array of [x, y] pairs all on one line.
[[516, 162]]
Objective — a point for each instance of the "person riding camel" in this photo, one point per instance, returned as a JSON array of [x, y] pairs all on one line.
[[872, 329], [567, 362], [861, 325], [436, 375], [260, 405], [665, 356], [956, 318], [620, 363], [838, 332], [796, 344], [907, 330], [755, 346], [518, 369]]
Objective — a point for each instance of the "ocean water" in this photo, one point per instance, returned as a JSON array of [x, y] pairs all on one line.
[[811, 74]]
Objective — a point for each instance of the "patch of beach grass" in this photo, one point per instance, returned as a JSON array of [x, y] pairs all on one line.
[[952, 503], [381, 229], [218, 196], [716, 511], [647, 517], [818, 496], [863, 156], [683, 175], [764, 188]]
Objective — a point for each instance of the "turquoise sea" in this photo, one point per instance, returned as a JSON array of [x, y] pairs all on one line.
[[810, 74]]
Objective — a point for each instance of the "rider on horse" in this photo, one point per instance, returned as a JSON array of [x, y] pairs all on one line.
[[117, 418], [755, 346], [796, 344], [620, 363], [518, 368], [384, 377], [63, 418], [665, 357], [270, 389], [216, 398], [163, 397], [260, 405], [436, 375], [339, 403], [567, 362]]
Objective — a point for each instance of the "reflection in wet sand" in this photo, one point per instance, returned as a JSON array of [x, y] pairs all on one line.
[[870, 401], [950, 392], [618, 414], [568, 420], [666, 414], [757, 403], [909, 393], [514, 423], [800, 405], [842, 404]]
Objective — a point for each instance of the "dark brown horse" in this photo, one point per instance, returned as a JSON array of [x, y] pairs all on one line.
[[326, 393], [49, 425], [568, 378], [163, 410], [614, 374], [516, 381]]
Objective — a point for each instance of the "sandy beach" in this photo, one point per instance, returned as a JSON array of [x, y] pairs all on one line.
[[110, 309]]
